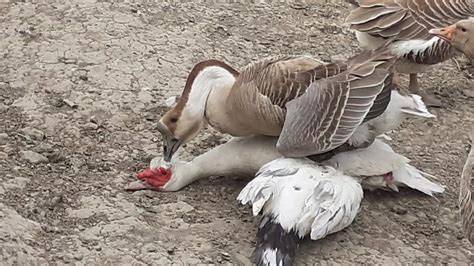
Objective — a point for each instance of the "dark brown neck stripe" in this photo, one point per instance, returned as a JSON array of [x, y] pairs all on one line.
[[192, 76]]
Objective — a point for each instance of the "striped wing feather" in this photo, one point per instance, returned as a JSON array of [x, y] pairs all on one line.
[[331, 109], [466, 200], [263, 89], [406, 19]]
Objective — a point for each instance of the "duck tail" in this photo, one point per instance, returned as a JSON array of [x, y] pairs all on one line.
[[275, 246], [417, 179], [419, 108]]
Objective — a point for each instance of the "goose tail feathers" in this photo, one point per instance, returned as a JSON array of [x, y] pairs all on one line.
[[417, 179], [275, 246]]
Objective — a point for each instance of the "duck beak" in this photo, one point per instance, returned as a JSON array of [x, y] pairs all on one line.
[[170, 143], [445, 33]]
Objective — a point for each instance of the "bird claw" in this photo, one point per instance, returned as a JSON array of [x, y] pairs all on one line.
[[388, 178]]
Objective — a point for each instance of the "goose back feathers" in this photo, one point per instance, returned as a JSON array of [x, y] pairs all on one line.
[[466, 200], [411, 20], [316, 105], [313, 107]]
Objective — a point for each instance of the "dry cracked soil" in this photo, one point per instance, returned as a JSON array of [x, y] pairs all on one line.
[[82, 85]]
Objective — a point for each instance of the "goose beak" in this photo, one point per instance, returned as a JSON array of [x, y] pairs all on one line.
[[445, 33], [170, 143], [170, 146]]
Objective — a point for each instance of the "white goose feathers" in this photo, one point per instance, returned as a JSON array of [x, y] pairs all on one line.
[[298, 197]]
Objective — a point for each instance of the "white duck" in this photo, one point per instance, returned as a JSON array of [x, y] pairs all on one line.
[[324, 198], [311, 106], [298, 197], [407, 24]]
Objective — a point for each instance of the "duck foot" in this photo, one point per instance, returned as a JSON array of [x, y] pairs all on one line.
[[388, 178], [428, 99], [432, 101]]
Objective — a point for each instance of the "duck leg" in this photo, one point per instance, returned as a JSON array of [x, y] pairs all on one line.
[[414, 87]]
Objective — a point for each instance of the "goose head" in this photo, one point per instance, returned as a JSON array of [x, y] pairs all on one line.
[[460, 35], [184, 121]]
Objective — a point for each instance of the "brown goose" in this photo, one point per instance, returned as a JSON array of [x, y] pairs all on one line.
[[313, 107], [407, 23], [460, 35], [466, 200]]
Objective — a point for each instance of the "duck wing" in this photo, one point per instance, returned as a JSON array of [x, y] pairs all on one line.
[[331, 109], [405, 19], [466, 199], [263, 89]]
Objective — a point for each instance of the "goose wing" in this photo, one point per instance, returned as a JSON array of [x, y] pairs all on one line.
[[330, 111], [263, 88], [466, 199], [405, 19]]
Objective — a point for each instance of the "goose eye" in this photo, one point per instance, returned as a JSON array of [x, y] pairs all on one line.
[[174, 120], [463, 29]]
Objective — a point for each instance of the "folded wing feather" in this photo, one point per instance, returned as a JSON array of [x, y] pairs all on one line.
[[331, 109]]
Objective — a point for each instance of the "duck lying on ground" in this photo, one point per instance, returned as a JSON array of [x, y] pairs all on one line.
[[296, 195]]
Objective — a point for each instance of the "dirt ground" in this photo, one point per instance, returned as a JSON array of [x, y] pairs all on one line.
[[82, 86]]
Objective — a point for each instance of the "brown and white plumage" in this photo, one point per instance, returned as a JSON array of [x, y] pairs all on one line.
[[466, 201], [325, 103], [407, 23], [460, 35], [312, 110]]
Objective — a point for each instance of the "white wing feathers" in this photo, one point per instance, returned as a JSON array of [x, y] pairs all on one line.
[[303, 196], [334, 205], [416, 179], [259, 190], [379, 159], [419, 108]]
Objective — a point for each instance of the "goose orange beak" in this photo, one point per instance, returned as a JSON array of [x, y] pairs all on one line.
[[445, 33]]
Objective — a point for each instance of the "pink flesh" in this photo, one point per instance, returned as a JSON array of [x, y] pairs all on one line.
[[388, 177], [152, 179]]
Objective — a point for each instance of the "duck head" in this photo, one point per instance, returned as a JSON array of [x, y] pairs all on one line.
[[460, 35], [184, 121]]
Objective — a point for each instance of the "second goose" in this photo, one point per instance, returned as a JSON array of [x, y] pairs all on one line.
[[407, 24]]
